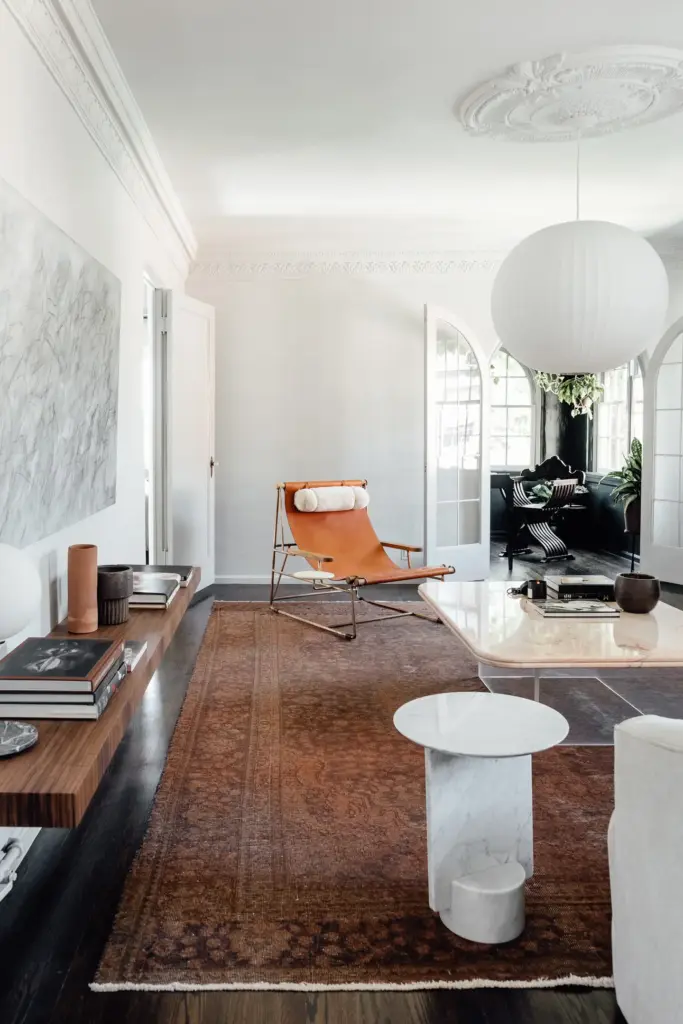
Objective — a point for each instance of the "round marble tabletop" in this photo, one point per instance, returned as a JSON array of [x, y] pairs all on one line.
[[481, 724]]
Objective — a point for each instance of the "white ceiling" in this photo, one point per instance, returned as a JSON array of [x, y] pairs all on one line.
[[337, 112]]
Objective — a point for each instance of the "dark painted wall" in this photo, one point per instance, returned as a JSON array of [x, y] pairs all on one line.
[[607, 518], [601, 526]]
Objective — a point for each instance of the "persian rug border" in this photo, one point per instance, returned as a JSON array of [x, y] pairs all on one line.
[[410, 986]]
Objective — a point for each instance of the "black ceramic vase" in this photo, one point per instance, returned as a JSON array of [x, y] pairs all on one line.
[[114, 587], [636, 592]]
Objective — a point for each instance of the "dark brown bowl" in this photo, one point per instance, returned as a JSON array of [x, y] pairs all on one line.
[[636, 592]]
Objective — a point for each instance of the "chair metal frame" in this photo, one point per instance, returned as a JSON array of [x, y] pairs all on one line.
[[350, 587], [537, 517]]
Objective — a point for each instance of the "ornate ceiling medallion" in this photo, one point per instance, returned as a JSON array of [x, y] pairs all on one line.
[[572, 95]]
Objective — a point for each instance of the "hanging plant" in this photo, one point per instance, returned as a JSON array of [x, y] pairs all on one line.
[[581, 391]]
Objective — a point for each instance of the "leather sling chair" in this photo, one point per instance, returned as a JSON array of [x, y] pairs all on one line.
[[344, 552]]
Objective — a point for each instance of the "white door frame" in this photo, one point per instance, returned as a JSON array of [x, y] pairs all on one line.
[[164, 300], [162, 553], [478, 561], [664, 562]]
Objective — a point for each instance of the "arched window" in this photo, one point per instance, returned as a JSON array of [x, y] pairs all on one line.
[[618, 415], [513, 414]]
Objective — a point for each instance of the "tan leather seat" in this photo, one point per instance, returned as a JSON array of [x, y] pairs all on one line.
[[349, 539]]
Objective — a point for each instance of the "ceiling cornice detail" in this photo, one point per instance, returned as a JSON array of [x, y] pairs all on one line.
[[253, 266], [577, 95], [71, 43]]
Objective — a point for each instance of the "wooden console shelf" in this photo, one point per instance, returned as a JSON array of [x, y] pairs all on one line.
[[51, 785]]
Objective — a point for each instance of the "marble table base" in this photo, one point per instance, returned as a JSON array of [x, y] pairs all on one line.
[[479, 816]]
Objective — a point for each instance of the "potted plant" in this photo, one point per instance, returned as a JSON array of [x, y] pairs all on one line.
[[627, 490], [581, 391]]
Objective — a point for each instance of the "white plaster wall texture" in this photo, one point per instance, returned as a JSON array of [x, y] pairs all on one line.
[[48, 156]]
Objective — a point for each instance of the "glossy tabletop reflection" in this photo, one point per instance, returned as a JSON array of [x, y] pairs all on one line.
[[481, 724], [509, 632]]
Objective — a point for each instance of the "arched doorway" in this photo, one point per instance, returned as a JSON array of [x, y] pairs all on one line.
[[662, 489], [457, 493]]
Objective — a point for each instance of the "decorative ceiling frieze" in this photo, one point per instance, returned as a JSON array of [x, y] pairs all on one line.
[[577, 95]]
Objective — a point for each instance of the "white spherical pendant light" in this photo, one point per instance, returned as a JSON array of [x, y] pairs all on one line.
[[20, 591], [580, 297]]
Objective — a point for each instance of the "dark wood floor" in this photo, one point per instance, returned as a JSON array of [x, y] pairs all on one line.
[[54, 925]]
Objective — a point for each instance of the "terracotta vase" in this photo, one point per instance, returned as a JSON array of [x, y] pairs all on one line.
[[82, 581]]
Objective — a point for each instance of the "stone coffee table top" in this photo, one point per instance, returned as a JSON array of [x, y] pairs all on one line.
[[508, 631]]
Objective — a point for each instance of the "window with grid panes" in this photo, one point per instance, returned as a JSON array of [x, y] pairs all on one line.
[[513, 414], [618, 416]]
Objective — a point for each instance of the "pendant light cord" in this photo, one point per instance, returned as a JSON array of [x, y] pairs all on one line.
[[578, 177]]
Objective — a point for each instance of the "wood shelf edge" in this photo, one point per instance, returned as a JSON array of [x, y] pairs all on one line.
[[51, 786]]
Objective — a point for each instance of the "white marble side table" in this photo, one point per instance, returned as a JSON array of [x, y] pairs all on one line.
[[478, 749]]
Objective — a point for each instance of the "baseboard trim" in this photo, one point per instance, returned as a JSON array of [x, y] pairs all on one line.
[[247, 579], [227, 580], [263, 986]]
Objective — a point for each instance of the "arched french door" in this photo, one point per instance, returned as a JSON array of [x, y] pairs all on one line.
[[662, 489], [457, 493]]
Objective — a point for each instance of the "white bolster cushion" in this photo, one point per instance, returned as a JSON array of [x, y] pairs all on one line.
[[330, 499], [361, 497]]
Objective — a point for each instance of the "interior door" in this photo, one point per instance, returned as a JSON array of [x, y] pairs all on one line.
[[188, 401], [457, 493], [662, 493]]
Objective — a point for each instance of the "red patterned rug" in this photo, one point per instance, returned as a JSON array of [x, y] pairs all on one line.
[[286, 846]]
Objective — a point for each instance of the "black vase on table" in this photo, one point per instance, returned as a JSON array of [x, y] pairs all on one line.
[[114, 587], [636, 592]]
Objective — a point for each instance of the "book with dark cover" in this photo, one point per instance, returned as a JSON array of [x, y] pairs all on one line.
[[184, 571], [58, 696], [59, 663], [581, 587], [87, 712], [153, 592]]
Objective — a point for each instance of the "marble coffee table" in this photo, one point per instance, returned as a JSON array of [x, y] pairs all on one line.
[[585, 668], [478, 749]]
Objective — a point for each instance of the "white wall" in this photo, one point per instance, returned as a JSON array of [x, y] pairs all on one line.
[[674, 268], [322, 377], [47, 154]]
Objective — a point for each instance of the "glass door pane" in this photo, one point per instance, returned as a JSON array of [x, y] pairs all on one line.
[[667, 492], [458, 441]]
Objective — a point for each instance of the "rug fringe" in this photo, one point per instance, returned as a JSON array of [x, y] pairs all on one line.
[[418, 986]]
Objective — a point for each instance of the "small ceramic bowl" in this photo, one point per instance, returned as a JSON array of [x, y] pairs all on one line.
[[636, 592]]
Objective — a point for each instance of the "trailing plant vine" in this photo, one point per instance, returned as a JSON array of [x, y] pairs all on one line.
[[581, 391]]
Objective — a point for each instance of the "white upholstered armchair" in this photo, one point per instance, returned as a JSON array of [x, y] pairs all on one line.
[[646, 869]]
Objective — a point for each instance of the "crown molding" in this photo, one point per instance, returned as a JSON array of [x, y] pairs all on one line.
[[256, 266], [70, 41]]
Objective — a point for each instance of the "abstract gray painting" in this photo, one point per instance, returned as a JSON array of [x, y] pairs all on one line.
[[60, 313]]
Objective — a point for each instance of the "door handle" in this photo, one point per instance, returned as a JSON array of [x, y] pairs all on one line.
[[212, 465]]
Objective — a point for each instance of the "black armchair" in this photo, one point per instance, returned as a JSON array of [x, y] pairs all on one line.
[[539, 518]]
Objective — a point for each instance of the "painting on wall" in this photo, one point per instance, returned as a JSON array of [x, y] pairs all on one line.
[[60, 313]]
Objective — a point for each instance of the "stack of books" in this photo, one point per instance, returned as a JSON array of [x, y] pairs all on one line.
[[580, 588], [155, 590], [49, 677], [577, 610], [184, 572]]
